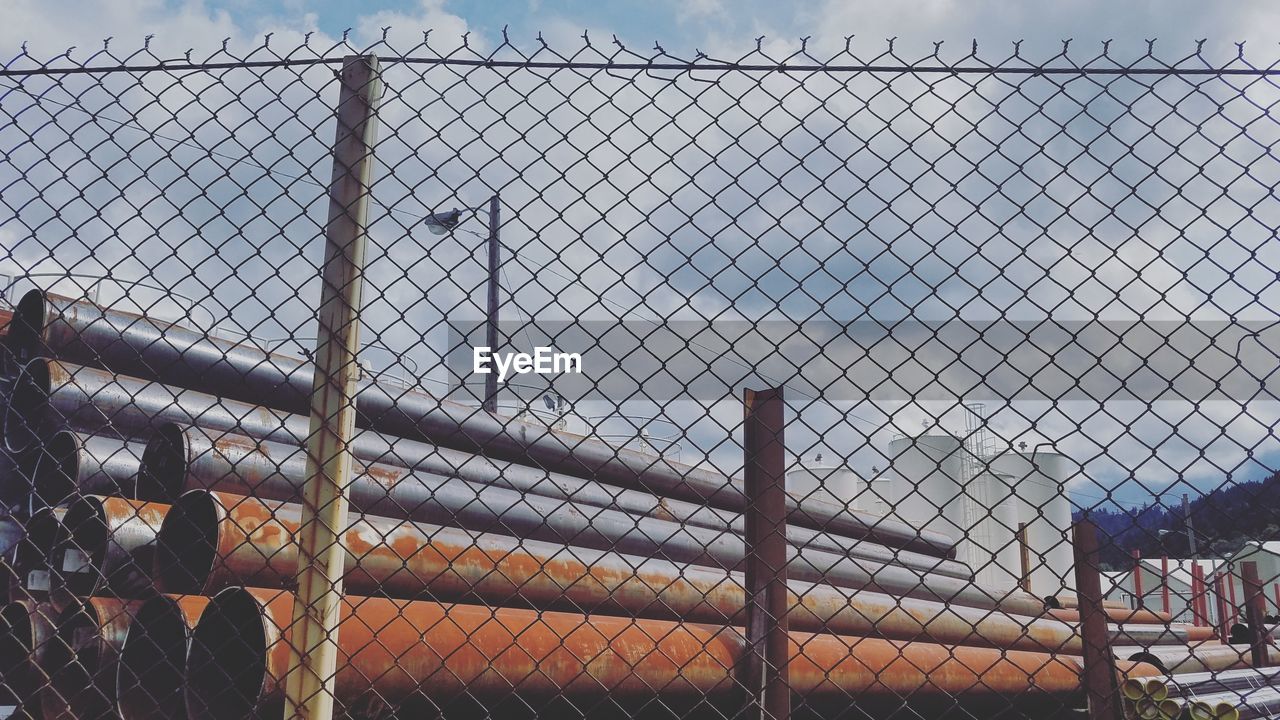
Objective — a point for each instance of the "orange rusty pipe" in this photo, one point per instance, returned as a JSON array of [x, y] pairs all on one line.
[[82, 658], [153, 660], [107, 549], [210, 541], [402, 651], [1121, 616]]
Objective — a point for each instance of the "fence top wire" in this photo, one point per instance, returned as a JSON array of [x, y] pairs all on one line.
[[616, 56]]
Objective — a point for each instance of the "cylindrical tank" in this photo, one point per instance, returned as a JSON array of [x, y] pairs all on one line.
[[879, 496], [1039, 487], [819, 481], [928, 471], [992, 542]]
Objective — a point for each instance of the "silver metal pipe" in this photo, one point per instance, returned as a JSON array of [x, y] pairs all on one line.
[[178, 457], [72, 463], [46, 324]]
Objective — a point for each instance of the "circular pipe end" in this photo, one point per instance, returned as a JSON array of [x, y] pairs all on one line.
[[187, 544], [72, 662], [163, 469], [153, 662], [44, 532], [27, 403], [30, 316], [55, 476], [227, 662], [78, 560], [17, 648]]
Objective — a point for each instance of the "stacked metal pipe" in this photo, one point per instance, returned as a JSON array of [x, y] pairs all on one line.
[[490, 559]]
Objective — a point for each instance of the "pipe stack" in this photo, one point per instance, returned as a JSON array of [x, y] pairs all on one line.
[[490, 562]]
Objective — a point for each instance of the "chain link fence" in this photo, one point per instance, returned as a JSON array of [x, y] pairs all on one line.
[[403, 382]]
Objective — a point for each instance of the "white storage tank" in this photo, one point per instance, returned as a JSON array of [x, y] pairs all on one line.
[[879, 496], [1039, 479], [992, 545], [824, 482], [927, 469]]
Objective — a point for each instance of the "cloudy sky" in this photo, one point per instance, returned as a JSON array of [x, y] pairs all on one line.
[[638, 198]]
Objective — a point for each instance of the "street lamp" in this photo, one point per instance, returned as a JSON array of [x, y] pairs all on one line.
[[442, 223]]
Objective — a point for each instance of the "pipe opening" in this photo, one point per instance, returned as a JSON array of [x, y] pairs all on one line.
[[73, 659], [1150, 659], [44, 532], [30, 316], [79, 559], [56, 474], [153, 662], [162, 471], [187, 544], [17, 645], [26, 404], [226, 666]]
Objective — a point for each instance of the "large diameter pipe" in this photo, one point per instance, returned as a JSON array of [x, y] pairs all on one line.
[[26, 627], [153, 660], [210, 541], [179, 457], [44, 531], [51, 395], [1210, 682], [446, 501], [108, 549], [82, 659], [72, 463], [1193, 658], [402, 652], [134, 345]]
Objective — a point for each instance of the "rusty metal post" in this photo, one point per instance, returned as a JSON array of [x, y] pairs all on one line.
[[1164, 583], [766, 677], [1197, 594], [492, 307], [1254, 610], [321, 557], [1139, 597], [1231, 593], [1024, 558], [1220, 597], [1101, 685]]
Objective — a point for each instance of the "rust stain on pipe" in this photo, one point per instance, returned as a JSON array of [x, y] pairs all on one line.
[[108, 547], [213, 540], [413, 649]]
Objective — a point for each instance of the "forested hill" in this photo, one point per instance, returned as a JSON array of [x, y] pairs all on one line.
[[1224, 520]]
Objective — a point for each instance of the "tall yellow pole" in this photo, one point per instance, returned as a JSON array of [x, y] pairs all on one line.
[[314, 653]]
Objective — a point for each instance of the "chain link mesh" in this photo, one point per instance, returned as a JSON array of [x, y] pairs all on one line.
[[1001, 300]]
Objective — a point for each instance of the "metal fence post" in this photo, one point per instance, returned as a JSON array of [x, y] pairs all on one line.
[[766, 555], [1140, 600], [1254, 610], [1100, 683], [1164, 584], [1197, 594], [1220, 599], [314, 647], [1024, 559]]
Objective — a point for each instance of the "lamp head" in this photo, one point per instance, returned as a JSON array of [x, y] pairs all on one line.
[[442, 223]]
